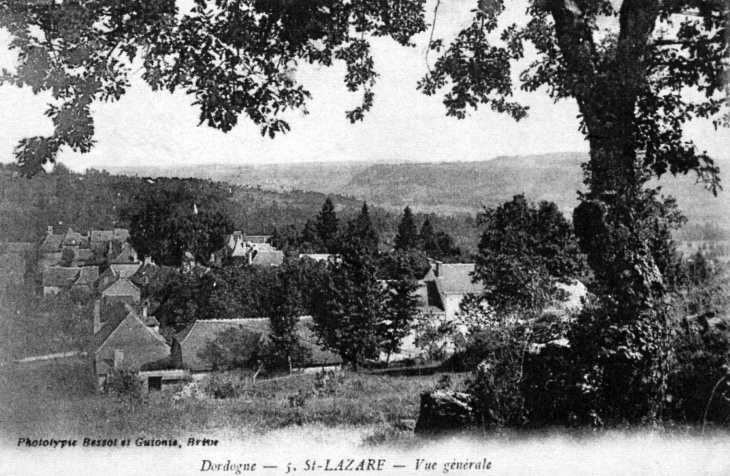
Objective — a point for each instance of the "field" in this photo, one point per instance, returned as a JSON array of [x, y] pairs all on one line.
[[58, 398], [303, 417]]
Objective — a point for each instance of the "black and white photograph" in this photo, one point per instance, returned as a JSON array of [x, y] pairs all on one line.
[[397, 237]]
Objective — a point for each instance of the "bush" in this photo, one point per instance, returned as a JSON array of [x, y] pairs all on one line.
[[125, 383], [700, 379], [495, 383], [222, 387]]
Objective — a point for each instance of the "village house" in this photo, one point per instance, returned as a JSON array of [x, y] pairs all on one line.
[[446, 285], [58, 278], [255, 250], [128, 341], [107, 244], [126, 263], [83, 257], [86, 282], [150, 276], [50, 250], [194, 339], [122, 291], [91, 249], [107, 278]]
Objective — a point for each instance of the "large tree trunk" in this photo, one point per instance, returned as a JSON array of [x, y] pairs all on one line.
[[623, 342]]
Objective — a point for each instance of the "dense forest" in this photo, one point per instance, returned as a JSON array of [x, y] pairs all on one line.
[[100, 200]]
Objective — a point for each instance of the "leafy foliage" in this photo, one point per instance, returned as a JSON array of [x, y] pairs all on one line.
[[125, 384], [235, 348], [524, 251], [221, 293], [290, 299], [164, 230], [438, 245], [234, 58], [355, 314]]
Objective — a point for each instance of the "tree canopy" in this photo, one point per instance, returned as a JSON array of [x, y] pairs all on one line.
[[524, 251], [407, 236], [234, 57]]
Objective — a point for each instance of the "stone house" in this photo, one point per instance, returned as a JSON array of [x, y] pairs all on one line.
[[447, 284], [86, 282], [255, 250], [126, 341], [122, 291], [126, 263], [57, 279], [107, 278], [50, 250]]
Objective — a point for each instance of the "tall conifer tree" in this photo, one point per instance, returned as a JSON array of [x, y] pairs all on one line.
[[407, 237]]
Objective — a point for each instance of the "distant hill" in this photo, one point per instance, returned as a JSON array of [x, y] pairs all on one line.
[[449, 187]]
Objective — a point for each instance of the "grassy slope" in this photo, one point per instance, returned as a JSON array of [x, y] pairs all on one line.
[[57, 398]]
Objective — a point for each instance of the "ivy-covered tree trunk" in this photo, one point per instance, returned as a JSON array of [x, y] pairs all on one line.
[[623, 341]]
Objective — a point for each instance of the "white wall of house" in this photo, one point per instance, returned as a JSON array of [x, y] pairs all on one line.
[[451, 305]]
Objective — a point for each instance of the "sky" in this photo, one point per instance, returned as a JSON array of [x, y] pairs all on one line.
[[161, 129]]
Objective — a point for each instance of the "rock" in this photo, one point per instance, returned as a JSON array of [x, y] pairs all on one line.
[[444, 411]]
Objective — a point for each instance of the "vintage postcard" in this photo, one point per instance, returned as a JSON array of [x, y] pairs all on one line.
[[402, 237]]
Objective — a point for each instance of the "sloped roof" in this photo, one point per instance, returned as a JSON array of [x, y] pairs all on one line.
[[88, 276], [115, 321], [196, 336], [428, 298], [72, 238], [57, 276], [121, 234], [101, 235], [457, 279], [51, 244], [150, 320], [149, 273], [127, 256], [84, 254], [257, 238], [121, 287], [110, 275], [308, 339], [267, 258]]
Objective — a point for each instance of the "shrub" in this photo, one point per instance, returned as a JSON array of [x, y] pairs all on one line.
[[327, 382], [495, 384], [222, 387], [125, 383], [699, 380]]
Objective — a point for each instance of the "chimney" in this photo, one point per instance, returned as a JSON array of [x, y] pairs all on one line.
[[49, 230], [97, 316]]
